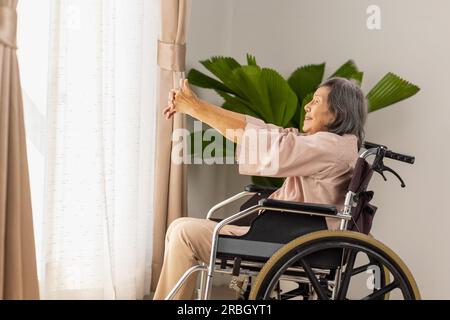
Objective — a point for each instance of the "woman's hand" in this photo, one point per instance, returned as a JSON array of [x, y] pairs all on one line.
[[183, 101]]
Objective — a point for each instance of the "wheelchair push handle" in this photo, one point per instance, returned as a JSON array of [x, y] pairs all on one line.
[[400, 157], [383, 152], [390, 154]]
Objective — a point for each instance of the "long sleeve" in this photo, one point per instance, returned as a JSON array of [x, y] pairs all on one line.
[[268, 150]]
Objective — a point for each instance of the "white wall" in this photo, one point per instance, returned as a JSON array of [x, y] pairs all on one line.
[[413, 42]]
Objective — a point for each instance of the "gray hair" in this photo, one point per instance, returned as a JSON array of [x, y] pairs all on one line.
[[349, 106]]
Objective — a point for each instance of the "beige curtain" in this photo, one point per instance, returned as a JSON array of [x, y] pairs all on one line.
[[170, 179], [18, 275]]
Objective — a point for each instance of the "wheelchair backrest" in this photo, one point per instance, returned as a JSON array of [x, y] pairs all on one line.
[[363, 212]]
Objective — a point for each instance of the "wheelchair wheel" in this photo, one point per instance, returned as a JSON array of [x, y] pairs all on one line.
[[395, 276], [383, 279]]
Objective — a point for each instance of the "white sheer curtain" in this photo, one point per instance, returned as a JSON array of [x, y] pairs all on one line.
[[95, 237]]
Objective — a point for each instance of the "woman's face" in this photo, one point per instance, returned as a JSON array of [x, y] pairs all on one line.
[[318, 113]]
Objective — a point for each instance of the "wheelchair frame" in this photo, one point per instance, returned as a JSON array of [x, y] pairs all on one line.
[[207, 270]]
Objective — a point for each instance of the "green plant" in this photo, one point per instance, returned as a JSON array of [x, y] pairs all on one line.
[[265, 94]]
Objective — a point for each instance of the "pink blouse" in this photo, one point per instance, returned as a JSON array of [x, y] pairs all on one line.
[[317, 167]]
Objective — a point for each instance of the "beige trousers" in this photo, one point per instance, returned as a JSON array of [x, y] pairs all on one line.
[[188, 242]]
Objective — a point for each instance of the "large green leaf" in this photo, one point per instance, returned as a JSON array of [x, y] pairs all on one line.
[[349, 70], [267, 90], [267, 181], [222, 68], [306, 79], [251, 60], [346, 70], [303, 81], [239, 105], [254, 90], [201, 80], [389, 90], [358, 77], [281, 97], [249, 89]]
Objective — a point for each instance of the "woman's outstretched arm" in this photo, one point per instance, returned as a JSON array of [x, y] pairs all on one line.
[[185, 101]]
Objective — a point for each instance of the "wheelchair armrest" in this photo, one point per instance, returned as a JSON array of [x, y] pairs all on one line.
[[260, 189], [250, 190], [227, 202], [297, 206]]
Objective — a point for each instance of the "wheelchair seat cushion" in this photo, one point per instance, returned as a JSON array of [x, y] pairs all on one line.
[[268, 232]]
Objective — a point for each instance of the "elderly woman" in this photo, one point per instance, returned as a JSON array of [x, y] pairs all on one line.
[[318, 165]]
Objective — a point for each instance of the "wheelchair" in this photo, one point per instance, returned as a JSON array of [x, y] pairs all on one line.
[[289, 254]]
